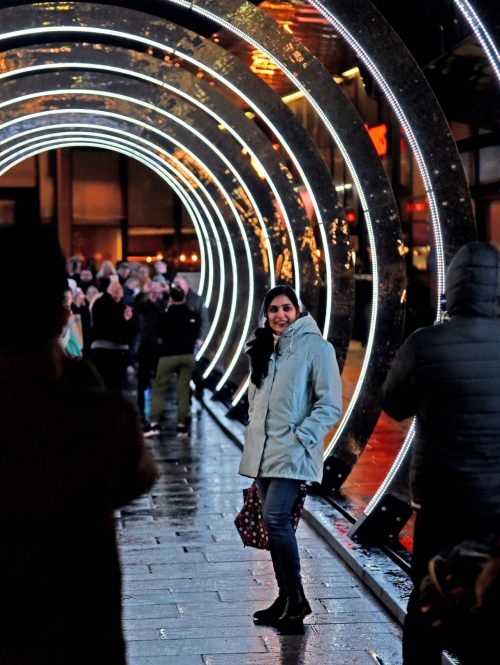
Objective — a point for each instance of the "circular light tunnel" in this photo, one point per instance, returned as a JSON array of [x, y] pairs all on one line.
[[106, 76]]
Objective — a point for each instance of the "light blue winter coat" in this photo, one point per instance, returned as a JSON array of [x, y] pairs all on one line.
[[298, 402]]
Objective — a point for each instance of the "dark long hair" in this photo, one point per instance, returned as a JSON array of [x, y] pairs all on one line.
[[261, 343]]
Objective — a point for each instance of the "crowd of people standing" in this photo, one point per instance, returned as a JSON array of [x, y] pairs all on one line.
[[139, 325]]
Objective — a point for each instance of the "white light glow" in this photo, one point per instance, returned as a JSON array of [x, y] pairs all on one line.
[[393, 470]]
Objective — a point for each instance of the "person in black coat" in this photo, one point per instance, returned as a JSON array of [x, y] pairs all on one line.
[[71, 452], [448, 375], [178, 329], [148, 307], [113, 328]]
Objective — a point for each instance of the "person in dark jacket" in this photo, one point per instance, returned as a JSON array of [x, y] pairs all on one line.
[[113, 327], [148, 308], [196, 304], [71, 452], [178, 329], [448, 375]]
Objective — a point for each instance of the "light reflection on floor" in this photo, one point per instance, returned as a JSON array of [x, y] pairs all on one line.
[[380, 451]]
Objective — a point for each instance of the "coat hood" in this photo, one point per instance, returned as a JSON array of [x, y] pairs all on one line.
[[304, 325], [473, 281]]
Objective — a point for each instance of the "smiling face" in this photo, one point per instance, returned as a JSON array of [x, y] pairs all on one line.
[[281, 313]]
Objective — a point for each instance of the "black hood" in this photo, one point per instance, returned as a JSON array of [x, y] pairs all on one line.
[[473, 281]]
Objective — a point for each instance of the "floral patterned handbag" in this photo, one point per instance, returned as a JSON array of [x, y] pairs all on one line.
[[250, 522]]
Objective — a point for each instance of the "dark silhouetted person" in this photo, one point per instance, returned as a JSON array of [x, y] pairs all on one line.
[[148, 308], [70, 452], [448, 375], [113, 328], [178, 329]]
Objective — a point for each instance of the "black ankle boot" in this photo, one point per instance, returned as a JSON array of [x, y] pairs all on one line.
[[297, 606], [271, 614]]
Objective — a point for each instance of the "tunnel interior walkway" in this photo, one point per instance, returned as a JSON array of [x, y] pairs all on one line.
[[190, 587]]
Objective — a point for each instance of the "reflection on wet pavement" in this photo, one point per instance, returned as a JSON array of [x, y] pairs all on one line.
[[379, 453], [190, 587]]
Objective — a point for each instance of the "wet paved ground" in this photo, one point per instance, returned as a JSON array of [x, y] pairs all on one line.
[[190, 587]]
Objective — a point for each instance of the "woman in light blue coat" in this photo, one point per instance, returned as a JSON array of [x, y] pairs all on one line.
[[295, 399]]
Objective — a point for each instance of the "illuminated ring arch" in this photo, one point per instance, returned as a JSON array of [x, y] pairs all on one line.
[[396, 484], [313, 80], [436, 155], [334, 465], [32, 70], [113, 94], [109, 96], [105, 141], [168, 38], [163, 168], [379, 201], [217, 210], [83, 57]]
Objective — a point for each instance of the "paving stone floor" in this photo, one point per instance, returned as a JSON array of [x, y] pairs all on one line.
[[190, 587]]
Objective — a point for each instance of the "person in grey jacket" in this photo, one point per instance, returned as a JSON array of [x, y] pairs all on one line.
[[295, 399], [448, 375]]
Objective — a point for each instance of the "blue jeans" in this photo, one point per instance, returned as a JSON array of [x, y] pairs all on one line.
[[278, 496]]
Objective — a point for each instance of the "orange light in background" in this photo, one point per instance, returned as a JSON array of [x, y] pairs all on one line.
[[261, 64], [257, 167], [148, 259], [350, 217], [182, 258], [378, 135], [159, 256], [194, 258]]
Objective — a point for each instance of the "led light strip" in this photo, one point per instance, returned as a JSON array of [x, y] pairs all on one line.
[[219, 351], [481, 33], [435, 219], [375, 72], [440, 262]]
